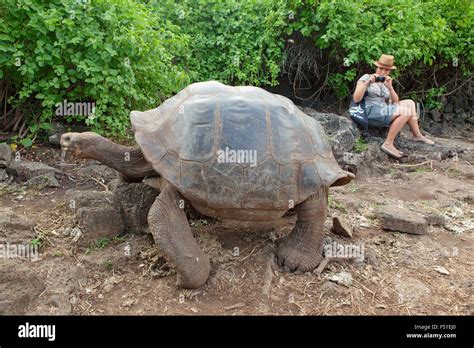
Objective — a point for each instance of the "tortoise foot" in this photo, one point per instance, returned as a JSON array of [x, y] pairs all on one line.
[[301, 250]]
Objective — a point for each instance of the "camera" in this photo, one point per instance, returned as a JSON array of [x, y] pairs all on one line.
[[379, 78]]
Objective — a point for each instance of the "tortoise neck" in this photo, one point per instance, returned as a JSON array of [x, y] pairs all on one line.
[[129, 161]]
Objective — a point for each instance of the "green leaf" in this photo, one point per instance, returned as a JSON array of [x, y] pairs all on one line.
[[26, 142]]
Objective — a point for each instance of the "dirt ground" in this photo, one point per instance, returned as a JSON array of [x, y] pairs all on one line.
[[397, 276]]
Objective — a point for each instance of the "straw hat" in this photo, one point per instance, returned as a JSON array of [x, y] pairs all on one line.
[[385, 61]]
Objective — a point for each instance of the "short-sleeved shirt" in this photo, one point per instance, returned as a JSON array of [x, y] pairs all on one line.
[[378, 93]]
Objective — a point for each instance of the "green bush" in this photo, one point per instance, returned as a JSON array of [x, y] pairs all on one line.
[[237, 42], [116, 54]]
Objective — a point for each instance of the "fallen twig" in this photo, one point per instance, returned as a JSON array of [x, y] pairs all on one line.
[[70, 177], [430, 162], [323, 265], [100, 183], [237, 305], [243, 258]]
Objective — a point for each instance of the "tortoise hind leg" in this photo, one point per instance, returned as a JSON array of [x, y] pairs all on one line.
[[171, 231], [301, 250]]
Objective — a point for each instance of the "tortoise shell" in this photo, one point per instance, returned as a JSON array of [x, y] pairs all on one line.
[[196, 139]]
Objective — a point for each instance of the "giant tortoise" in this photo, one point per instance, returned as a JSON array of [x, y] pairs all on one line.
[[237, 153]]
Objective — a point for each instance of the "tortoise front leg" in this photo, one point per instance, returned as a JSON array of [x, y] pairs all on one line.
[[302, 249], [171, 231]]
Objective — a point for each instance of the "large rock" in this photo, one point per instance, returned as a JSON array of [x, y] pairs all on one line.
[[372, 162], [76, 199], [26, 170], [341, 131], [5, 155], [98, 214], [136, 200], [103, 214], [400, 219], [424, 152], [99, 222]]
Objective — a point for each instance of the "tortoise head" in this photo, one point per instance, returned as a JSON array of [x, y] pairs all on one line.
[[81, 145]]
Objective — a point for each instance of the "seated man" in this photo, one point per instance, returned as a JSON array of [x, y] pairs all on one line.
[[380, 112]]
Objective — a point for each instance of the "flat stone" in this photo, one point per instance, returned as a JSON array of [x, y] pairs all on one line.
[[26, 170], [441, 270], [5, 155], [400, 219], [341, 227], [42, 181]]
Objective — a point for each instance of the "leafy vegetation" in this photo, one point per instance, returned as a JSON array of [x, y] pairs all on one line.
[[102, 243], [115, 54], [360, 145], [37, 241], [238, 42], [124, 55]]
